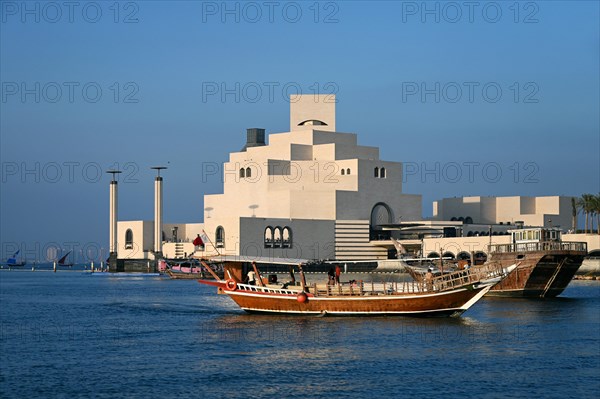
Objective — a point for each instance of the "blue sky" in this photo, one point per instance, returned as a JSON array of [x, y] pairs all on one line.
[[500, 99]]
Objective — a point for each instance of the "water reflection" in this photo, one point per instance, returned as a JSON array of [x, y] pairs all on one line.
[[285, 337]]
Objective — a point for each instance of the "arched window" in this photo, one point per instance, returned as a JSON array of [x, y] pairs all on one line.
[[433, 255], [348, 171], [277, 237], [242, 172], [382, 173], [248, 172], [453, 219], [220, 237], [343, 172], [287, 237], [312, 122], [129, 239], [448, 254], [468, 220], [463, 255], [269, 237], [480, 257], [376, 172]]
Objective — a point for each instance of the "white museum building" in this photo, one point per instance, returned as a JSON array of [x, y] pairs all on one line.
[[315, 193]]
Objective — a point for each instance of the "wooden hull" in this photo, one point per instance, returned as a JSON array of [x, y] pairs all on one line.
[[449, 303], [540, 274]]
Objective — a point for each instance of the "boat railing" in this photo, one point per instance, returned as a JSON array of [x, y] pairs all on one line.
[[420, 285], [472, 275], [538, 246], [266, 290]]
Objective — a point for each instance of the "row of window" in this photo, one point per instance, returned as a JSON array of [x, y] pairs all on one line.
[[486, 233], [245, 172], [379, 172], [275, 237], [467, 220], [278, 237], [219, 238], [461, 255]]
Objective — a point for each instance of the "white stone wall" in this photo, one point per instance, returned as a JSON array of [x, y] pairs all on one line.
[[311, 239], [458, 244], [592, 240], [533, 211], [143, 239], [312, 107]]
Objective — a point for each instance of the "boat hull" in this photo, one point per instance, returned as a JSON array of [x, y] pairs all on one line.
[[184, 276], [540, 274], [440, 304]]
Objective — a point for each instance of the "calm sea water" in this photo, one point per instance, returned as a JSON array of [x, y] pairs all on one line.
[[70, 334]]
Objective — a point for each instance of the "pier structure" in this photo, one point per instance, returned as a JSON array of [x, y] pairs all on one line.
[[158, 211], [113, 217]]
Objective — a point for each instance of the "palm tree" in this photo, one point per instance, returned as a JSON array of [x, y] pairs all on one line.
[[586, 204], [596, 210], [580, 203], [574, 212]]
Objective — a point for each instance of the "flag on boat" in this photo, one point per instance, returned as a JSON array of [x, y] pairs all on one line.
[[198, 241], [204, 236]]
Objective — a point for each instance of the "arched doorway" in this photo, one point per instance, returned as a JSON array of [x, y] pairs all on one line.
[[381, 214]]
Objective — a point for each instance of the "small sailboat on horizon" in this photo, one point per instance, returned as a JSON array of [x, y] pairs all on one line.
[[63, 261], [15, 261]]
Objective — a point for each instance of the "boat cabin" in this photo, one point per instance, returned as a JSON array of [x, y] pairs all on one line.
[[535, 234]]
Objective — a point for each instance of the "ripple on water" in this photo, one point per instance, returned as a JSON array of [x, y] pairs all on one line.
[[76, 336]]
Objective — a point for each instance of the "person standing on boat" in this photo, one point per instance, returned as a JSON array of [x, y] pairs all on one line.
[[331, 275], [251, 277], [429, 280], [338, 271]]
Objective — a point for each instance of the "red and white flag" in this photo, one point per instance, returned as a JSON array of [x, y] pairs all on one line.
[[198, 241]]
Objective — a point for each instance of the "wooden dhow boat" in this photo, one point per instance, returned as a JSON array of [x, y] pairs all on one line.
[[546, 263], [446, 295]]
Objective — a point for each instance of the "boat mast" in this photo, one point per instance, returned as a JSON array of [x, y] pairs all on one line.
[[262, 284], [302, 277], [210, 270]]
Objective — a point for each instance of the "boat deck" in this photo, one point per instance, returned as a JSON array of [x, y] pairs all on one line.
[[442, 283]]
